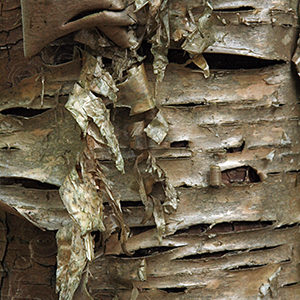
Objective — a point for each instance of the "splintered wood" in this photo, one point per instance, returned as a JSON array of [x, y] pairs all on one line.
[[235, 236]]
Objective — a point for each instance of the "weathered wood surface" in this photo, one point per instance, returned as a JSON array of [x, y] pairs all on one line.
[[200, 262], [29, 262]]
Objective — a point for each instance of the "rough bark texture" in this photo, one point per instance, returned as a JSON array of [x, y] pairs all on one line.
[[29, 261], [236, 241]]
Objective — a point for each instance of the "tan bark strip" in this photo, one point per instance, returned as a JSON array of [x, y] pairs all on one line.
[[41, 207], [159, 265], [191, 245], [271, 85], [214, 284], [196, 206], [255, 87]]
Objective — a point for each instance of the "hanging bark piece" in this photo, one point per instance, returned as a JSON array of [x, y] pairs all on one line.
[[71, 260], [81, 199], [161, 39], [142, 189], [83, 104], [122, 60], [85, 187], [171, 200], [95, 78]]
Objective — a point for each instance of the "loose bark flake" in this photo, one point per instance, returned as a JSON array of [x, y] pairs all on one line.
[[71, 260]]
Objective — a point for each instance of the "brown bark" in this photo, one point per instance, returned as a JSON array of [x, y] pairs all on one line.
[[237, 241]]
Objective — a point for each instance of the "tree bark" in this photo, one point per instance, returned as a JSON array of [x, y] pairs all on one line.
[[236, 239]]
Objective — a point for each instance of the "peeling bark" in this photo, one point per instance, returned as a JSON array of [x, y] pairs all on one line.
[[238, 239]]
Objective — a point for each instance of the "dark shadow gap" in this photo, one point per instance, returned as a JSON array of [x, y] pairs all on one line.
[[273, 173], [179, 144], [7, 148], [236, 9], [246, 267], [239, 175], [190, 104], [174, 289], [83, 14], [293, 172], [231, 61], [132, 204], [23, 112], [195, 229], [287, 226], [291, 284], [221, 228], [148, 251], [141, 229], [210, 255], [27, 183], [185, 186], [236, 149]]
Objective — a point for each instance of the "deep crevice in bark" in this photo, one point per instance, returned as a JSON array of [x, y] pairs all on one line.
[[179, 144], [236, 149], [236, 9], [216, 254], [27, 183], [149, 251], [23, 112], [245, 174], [174, 289], [246, 267], [232, 62]]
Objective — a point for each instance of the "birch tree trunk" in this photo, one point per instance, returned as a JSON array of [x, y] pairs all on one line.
[[232, 153]]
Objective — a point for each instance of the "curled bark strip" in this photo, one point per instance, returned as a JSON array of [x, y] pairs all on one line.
[[135, 92], [142, 190]]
